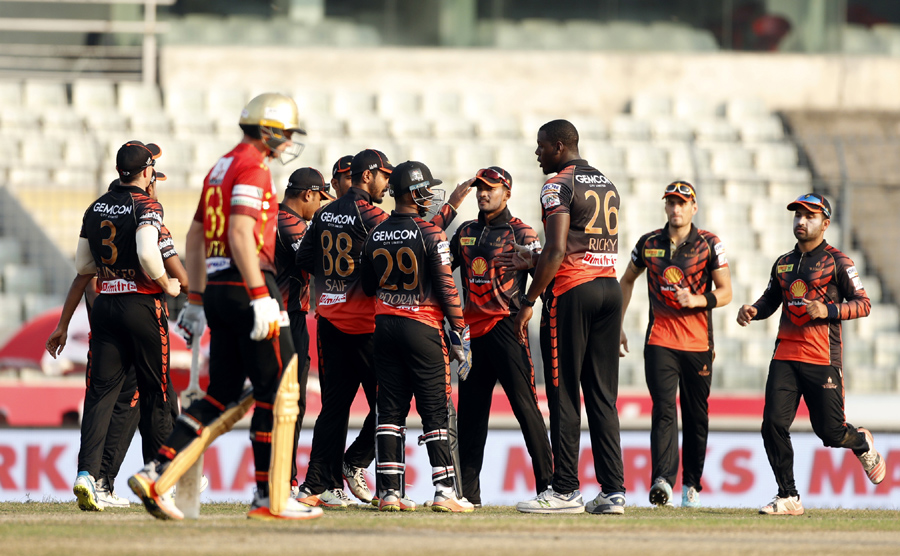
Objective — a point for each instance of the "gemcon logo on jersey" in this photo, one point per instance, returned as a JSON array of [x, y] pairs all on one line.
[[332, 218], [393, 235], [592, 179]]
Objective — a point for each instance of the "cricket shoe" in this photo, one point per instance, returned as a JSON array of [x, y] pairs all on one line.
[[611, 504], [85, 491], [789, 505], [661, 493], [107, 498], [871, 460], [143, 485], [356, 482], [550, 502], [293, 510], [334, 498], [392, 501], [690, 498], [447, 501]]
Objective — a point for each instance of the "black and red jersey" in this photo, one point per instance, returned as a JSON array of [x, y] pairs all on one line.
[[166, 244], [490, 292], [292, 282], [406, 267], [331, 253], [110, 225], [823, 274], [688, 265], [239, 183], [592, 203]]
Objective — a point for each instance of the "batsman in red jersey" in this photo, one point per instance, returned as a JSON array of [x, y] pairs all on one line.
[[683, 263], [816, 286], [231, 267], [581, 220]]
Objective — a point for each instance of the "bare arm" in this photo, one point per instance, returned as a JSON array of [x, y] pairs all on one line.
[[627, 284], [57, 340], [551, 258]]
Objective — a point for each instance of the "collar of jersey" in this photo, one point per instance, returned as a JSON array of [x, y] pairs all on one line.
[[575, 162], [129, 188], [819, 248], [692, 236], [289, 210], [358, 192], [503, 218]]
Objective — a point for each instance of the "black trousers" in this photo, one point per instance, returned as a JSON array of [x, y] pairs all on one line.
[[667, 371], [584, 328], [498, 356], [411, 359], [233, 358], [300, 336], [127, 330], [345, 363], [822, 387]]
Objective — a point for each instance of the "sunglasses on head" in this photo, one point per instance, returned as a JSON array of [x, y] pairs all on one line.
[[681, 188], [494, 175], [816, 200]]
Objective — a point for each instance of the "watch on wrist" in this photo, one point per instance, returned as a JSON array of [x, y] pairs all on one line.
[[523, 301]]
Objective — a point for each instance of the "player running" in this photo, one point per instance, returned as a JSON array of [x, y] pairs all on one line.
[[406, 266], [683, 264], [816, 287]]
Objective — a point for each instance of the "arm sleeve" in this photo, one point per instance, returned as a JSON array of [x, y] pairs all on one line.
[[84, 260], [717, 258], [768, 303], [146, 239], [455, 255], [438, 257], [637, 258], [306, 254], [367, 276], [850, 288], [166, 244], [444, 216]]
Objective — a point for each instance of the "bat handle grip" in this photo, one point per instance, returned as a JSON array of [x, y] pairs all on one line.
[[194, 380]]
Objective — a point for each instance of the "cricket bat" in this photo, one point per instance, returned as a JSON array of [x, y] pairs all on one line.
[[187, 495]]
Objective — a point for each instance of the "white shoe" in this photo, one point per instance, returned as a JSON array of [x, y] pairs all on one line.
[[393, 501], [293, 510], [107, 498], [447, 501], [612, 503], [550, 502], [86, 492], [872, 462], [334, 498], [356, 482], [789, 505], [143, 485]]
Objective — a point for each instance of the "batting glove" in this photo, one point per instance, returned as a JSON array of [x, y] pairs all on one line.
[[192, 319], [266, 318], [461, 351]]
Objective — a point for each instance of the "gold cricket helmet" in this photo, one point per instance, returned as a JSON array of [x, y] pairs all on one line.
[[279, 122]]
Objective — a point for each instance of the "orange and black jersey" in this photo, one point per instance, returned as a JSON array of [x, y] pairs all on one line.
[[239, 183], [688, 265], [490, 292], [592, 201], [292, 282], [110, 225], [331, 252], [406, 266], [823, 274]]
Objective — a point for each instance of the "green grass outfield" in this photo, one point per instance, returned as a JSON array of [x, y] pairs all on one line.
[[61, 528]]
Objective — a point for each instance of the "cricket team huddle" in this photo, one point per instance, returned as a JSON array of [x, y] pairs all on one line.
[[390, 319]]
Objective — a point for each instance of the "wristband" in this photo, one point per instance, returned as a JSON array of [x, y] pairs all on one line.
[[523, 300], [195, 298], [259, 292], [711, 300]]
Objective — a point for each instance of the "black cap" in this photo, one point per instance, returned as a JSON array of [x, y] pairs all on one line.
[[813, 202], [311, 179], [370, 159], [134, 156], [342, 165], [410, 176], [494, 176]]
